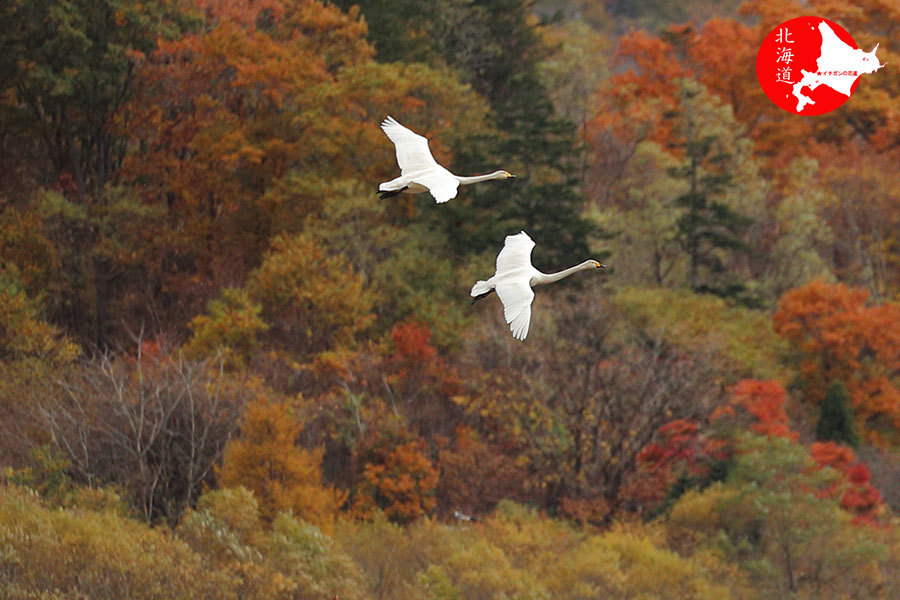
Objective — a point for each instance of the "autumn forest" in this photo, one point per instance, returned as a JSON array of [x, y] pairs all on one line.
[[228, 369]]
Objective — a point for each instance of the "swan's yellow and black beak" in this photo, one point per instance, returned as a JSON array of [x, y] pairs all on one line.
[[599, 265], [510, 176]]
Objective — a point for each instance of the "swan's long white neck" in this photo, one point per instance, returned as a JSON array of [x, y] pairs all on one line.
[[543, 278], [477, 178]]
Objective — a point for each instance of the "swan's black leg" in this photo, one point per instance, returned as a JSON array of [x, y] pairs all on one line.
[[388, 194], [480, 296]]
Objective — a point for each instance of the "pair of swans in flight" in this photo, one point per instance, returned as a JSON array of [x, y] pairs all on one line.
[[515, 275]]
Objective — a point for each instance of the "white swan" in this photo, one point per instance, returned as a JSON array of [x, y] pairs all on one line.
[[514, 279], [419, 172]]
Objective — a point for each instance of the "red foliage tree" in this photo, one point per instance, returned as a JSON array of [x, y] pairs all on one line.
[[413, 342], [423, 381], [858, 495], [681, 448], [676, 442]]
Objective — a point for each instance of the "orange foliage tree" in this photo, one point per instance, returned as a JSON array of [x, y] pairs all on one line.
[[386, 411], [630, 107], [245, 123], [400, 480], [413, 342], [655, 74], [721, 53], [838, 336], [284, 477], [764, 401], [223, 112]]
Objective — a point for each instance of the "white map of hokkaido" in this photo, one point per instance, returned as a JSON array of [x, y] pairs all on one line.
[[838, 66]]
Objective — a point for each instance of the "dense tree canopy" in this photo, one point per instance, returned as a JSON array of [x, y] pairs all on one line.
[[229, 369]]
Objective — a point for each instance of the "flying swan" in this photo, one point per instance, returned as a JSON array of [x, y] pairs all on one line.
[[514, 279], [419, 172]]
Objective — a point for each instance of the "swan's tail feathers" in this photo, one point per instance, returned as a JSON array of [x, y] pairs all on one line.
[[481, 287], [480, 296], [383, 194], [480, 290]]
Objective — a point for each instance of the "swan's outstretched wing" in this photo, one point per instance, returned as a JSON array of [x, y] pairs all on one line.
[[442, 185], [413, 154], [516, 253], [514, 272], [516, 296]]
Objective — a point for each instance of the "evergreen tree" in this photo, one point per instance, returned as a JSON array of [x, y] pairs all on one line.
[[399, 29], [539, 146], [708, 230], [836, 419]]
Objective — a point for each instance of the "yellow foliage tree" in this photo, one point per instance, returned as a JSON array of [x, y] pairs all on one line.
[[82, 553], [518, 554], [313, 302], [282, 476], [23, 334], [31, 352], [231, 327]]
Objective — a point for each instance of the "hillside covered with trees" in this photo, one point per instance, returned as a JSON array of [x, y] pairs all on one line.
[[228, 369]]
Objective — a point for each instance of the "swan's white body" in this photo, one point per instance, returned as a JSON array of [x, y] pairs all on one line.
[[514, 278], [419, 172]]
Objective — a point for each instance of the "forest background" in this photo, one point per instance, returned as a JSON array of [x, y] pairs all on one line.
[[227, 369]]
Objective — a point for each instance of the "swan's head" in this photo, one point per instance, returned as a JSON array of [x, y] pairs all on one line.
[[596, 265], [505, 175]]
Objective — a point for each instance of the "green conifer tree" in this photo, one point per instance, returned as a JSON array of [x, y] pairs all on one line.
[[708, 230], [836, 419]]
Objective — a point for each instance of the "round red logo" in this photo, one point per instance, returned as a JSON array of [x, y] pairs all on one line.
[[810, 65]]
